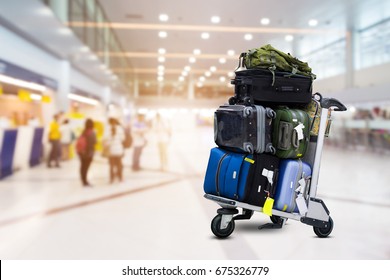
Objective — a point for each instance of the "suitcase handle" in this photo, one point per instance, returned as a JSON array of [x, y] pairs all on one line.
[[284, 136], [294, 139]]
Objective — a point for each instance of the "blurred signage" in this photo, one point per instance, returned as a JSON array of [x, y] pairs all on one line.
[[46, 99], [18, 72], [24, 95], [1, 89]]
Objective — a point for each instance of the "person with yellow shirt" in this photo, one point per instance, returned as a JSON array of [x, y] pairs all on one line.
[[54, 139]]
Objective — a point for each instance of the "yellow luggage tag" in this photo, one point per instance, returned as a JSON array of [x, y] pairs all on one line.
[[268, 205]]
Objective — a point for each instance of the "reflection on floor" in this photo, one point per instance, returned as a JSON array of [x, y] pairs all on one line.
[[46, 214]]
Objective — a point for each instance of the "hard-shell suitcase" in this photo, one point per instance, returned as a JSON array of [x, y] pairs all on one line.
[[291, 133], [293, 181], [242, 177], [271, 88], [243, 128]]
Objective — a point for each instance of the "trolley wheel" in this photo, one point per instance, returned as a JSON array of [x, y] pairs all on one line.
[[232, 100], [324, 232], [216, 227], [275, 219]]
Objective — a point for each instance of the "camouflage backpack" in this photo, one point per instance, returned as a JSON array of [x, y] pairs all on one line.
[[275, 60]]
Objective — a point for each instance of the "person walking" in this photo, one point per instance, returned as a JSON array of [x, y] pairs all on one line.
[[66, 139], [162, 131], [54, 139], [139, 130], [115, 148], [86, 148]]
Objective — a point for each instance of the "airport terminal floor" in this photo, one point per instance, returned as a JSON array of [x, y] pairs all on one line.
[[47, 214]]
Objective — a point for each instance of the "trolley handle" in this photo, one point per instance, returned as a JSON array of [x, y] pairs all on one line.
[[327, 103]]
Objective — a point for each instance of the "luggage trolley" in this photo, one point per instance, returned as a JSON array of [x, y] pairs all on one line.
[[317, 214]]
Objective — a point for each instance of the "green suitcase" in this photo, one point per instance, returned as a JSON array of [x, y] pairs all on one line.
[[291, 132]]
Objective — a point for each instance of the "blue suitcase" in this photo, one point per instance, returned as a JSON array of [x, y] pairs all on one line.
[[249, 178], [291, 173]]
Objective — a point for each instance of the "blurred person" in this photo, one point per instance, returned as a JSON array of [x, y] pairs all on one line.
[[139, 130], [115, 149], [54, 139], [67, 137], [162, 131], [85, 149]]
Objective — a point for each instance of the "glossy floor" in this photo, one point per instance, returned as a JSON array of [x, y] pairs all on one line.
[[46, 214]]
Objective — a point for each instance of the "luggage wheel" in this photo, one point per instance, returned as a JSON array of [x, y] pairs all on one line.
[[277, 222]]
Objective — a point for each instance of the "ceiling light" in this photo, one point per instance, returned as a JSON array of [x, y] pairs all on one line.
[[184, 73], [197, 52], [199, 84], [21, 83], [187, 68], [230, 74], [207, 73], [205, 35], [161, 59], [222, 60], [161, 67], [289, 38], [313, 22], [161, 51], [163, 17], [202, 79], [162, 34], [213, 68], [192, 59], [265, 21], [160, 78], [215, 19], [248, 37], [181, 78], [231, 52], [83, 99], [222, 79], [160, 73]]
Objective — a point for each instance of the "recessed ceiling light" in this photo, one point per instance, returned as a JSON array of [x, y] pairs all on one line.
[[181, 78], [231, 52], [205, 35], [161, 59], [161, 51], [160, 73], [230, 74], [184, 73], [161, 67], [197, 52], [248, 37], [192, 59], [160, 78], [187, 68], [163, 17], [199, 84], [213, 68], [162, 34], [207, 73], [265, 21], [202, 79], [222, 79], [289, 38], [222, 60], [313, 22], [215, 19]]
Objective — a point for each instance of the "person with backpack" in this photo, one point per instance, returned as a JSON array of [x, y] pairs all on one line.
[[85, 147], [115, 148]]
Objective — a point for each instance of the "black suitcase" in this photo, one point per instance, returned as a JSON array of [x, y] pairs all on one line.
[[258, 86], [264, 179], [244, 129]]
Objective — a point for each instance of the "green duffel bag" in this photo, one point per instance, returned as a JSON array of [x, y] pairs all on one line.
[[267, 57], [291, 132]]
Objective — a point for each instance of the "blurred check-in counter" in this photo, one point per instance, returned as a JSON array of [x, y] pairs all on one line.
[[370, 135], [20, 148]]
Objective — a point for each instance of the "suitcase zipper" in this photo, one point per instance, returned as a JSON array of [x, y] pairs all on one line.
[[218, 170]]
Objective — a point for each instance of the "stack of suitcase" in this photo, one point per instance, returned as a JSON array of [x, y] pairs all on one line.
[[262, 136]]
